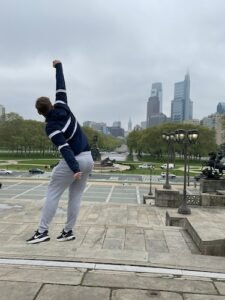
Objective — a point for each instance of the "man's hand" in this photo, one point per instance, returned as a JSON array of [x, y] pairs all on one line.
[[77, 176], [55, 62]]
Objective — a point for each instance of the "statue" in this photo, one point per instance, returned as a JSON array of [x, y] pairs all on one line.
[[213, 168], [95, 150], [107, 162]]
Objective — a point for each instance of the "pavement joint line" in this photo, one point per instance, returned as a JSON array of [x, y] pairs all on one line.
[[27, 191], [138, 194], [10, 186], [87, 187], [110, 194], [112, 267]]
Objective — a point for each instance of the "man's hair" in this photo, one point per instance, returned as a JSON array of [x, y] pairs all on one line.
[[43, 105]]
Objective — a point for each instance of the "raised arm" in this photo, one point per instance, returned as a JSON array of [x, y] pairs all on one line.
[[60, 82]]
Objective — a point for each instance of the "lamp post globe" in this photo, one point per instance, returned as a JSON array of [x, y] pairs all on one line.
[[169, 138]]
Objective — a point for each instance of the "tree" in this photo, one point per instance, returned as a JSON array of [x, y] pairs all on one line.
[[150, 140], [26, 136], [134, 141], [12, 116], [23, 136], [105, 142]]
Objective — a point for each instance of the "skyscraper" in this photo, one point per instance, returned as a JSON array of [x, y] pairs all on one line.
[[157, 91], [130, 125], [2, 113], [154, 106], [182, 106], [220, 108]]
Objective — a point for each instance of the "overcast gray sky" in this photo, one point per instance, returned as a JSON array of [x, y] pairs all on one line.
[[112, 51]]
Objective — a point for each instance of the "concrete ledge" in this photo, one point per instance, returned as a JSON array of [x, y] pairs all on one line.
[[150, 198], [220, 192], [167, 198], [212, 199], [209, 242]]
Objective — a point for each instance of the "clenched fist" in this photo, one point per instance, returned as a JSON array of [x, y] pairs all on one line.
[[55, 62]]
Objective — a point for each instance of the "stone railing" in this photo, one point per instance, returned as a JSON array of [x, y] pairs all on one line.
[[194, 200]]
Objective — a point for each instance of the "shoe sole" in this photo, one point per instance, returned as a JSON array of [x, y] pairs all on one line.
[[44, 239], [70, 238]]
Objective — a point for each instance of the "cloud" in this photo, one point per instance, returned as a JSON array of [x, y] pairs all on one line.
[[112, 52]]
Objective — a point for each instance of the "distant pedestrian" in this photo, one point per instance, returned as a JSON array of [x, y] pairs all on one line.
[[195, 183], [73, 170]]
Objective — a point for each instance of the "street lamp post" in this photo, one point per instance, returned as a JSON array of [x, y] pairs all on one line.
[[150, 180], [188, 169], [169, 138], [186, 138]]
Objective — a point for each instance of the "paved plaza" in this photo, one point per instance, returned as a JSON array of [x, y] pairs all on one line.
[[123, 248], [109, 191], [94, 192]]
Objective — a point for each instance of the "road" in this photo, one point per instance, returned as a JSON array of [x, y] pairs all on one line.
[[103, 176]]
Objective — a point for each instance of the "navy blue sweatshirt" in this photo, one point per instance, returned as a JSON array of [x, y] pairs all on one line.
[[62, 127]]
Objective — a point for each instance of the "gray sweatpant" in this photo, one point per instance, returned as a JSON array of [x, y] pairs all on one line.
[[62, 177]]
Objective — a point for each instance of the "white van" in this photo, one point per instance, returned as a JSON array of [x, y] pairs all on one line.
[[170, 166]]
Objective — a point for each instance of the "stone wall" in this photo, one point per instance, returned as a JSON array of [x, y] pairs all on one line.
[[212, 200], [167, 198], [211, 185]]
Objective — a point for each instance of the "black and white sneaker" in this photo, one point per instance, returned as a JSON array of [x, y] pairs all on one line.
[[66, 236], [39, 237]]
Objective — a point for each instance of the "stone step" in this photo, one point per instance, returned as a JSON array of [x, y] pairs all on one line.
[[209, 242]]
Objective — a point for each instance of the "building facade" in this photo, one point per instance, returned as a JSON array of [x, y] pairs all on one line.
[[2, 113], [117, 124], [143, 124], [129, 125], [215, 121], [154, 106], [220, 108], [157, 119], [116, 131], [157, 92], [181, 105], [101, 127]]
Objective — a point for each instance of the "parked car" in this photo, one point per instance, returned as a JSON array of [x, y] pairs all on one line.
[[146, 166], [170, 166], [36, 171], [5, 172], [171, 176]]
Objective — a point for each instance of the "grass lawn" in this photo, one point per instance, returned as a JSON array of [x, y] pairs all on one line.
[[178, 170], [26, 164]]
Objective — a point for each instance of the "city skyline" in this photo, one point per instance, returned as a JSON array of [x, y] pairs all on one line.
[[125, 121], [181, 109]]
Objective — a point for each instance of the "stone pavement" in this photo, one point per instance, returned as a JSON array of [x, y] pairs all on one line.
[[45, 283], [122, 252]]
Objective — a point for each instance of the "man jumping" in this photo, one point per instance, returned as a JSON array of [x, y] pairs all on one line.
[[73, 170]]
